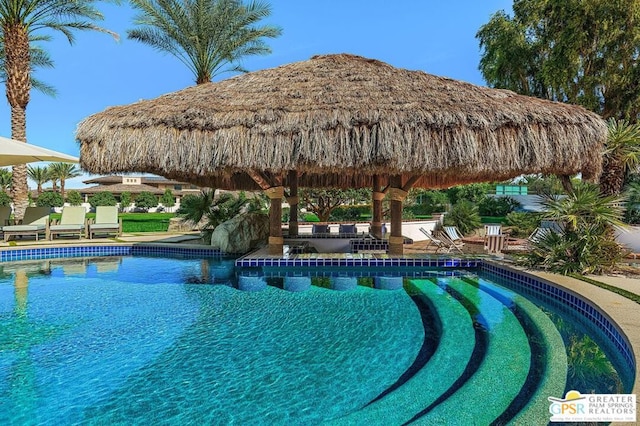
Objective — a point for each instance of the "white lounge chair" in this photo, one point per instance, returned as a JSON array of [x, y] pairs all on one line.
[[494, 239], [453, 235], [106, 222], [73, 221], [437, 242], [34, 222]]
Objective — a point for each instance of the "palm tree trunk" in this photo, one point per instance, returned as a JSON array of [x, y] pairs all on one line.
[[62, 189], [18, 85]]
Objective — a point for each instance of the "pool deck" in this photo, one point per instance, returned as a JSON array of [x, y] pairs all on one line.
[[621, 310]]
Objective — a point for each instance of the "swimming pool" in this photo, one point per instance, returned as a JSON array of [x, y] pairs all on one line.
[[150, 339]]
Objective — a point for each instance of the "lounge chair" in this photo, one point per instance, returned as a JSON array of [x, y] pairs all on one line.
[[73, 221], [438, 243], [321, 229], [347, 230], [5, 216], [453, 235], [34, 222], [494, 239], [106, 222]]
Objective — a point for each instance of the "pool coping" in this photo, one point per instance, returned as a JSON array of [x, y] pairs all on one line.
[[616, 309]]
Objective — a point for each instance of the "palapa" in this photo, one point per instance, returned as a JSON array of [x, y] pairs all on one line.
[[339, 120]]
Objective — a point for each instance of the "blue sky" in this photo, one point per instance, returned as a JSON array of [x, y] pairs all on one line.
[[437, 37]]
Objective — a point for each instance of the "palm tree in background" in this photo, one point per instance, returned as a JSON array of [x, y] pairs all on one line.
[[21, 22], [40, 175], [205, 35], [63, 171], [621, 156]]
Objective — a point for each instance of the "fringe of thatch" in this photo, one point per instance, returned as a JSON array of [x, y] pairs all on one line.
[[339, 119]]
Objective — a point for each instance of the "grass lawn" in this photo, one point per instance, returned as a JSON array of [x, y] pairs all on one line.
[[138, 222]]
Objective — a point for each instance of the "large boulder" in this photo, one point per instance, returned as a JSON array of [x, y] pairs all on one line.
[[241, 234]]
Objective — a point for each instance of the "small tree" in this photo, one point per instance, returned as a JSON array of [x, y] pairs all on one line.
[[104, 198], [74, 198], [5, 199], [146, 200], [167, 199], [50, 199], [125, 200], [323, 201]]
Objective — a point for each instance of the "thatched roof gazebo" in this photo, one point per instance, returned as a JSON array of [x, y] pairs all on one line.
[[342, 121]]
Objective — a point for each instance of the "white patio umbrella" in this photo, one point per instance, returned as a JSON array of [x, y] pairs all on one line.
[[14, 152]]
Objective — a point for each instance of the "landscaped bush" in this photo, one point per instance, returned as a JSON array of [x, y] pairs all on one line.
[[50, 199], [464, 215], [587, 242], [428, 202], [497, 206], [146, 200], [5, 200], [349, 213], [74, 198], [522, 224], [104, 198]]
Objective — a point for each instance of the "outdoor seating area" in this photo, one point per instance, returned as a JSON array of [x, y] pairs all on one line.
[[34, 223]]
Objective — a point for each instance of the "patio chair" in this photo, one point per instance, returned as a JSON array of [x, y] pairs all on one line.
[[494, 239], [106, 222], [347, 230], [5, 216], [34, 222], [320, 229], [438, 243], [72, 222], [452, 233]]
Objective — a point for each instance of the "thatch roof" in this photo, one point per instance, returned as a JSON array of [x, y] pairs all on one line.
[[339, 119]]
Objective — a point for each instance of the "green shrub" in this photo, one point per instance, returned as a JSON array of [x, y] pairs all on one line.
[[473, 192], [50, 199], [309, 217], [5, 200], [587, 242], [146, 200], [167, 199], [104, 198], [497, 206], [464, 215], [522, 224], [125, 200], [74, 198], [428, 202], [349, 213]]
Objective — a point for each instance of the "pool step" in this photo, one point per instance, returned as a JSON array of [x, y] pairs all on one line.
[[501, 374], [552, 364], [452, 355]]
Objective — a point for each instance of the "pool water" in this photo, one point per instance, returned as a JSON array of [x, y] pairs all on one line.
[[139, 340]]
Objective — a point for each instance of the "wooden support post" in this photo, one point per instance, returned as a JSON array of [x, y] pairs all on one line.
[[397, 196], [293, 201], [376, 213], [275, 193]]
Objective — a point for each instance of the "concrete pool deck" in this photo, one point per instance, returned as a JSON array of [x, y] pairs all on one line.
[[622, 311]]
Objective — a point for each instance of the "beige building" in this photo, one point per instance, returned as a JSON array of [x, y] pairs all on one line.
[[137, 184]]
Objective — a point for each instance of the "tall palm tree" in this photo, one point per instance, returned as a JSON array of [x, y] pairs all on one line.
[[21, 21], [622, 155], [40, 175], [63, 171], [205, 35]]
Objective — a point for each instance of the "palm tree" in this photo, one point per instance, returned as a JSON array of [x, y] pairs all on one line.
[[622, 155], [205, 35], [20, 22], [40, 175], [63, 171]]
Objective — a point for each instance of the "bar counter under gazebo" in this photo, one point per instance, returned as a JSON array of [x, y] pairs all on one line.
[[342, 121]]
